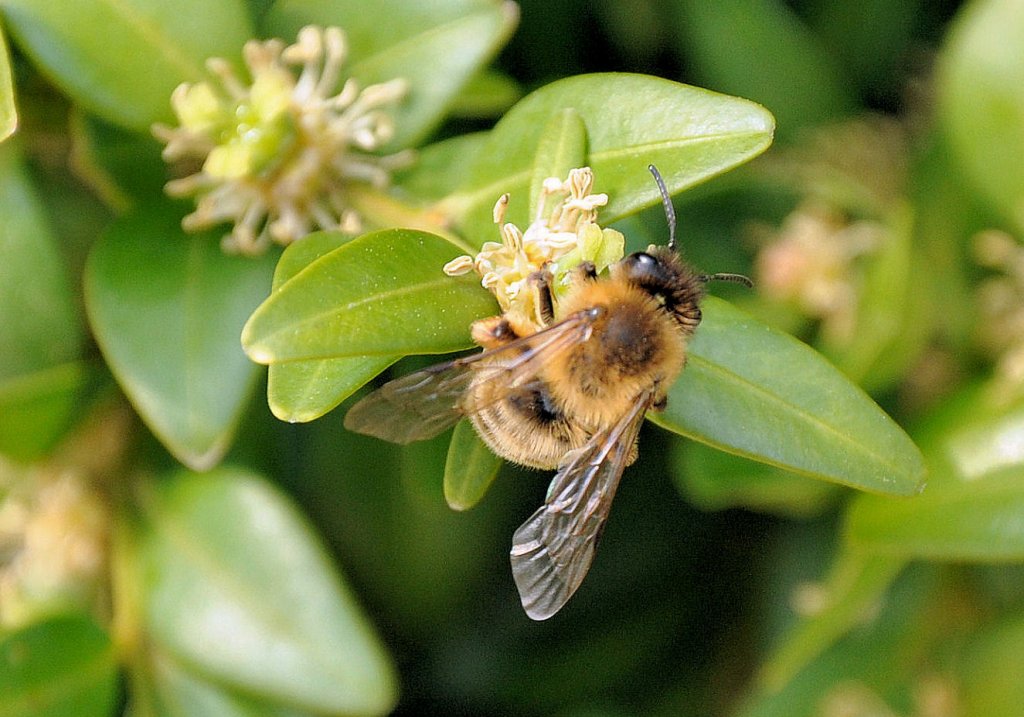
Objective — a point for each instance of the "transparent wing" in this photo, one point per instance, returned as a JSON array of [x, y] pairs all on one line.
[[552, 551], [424, 403]]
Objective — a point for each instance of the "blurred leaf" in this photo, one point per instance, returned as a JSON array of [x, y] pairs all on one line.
[[855, 586], [39, 327], [384, 293], [437, 47], [871, 664], [715, 480], [8, 110], [37, 409], [300, 391], [562, 146], [167, 309], [252, 601], [760, 49], [991, 683], [893, 315], [981, 100], [488, 93], [122, 60], [440, 167], [750, 390], [971, 509], [631, 121], [470, 469], [59, 667]]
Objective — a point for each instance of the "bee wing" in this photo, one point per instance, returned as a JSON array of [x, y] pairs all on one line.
[[552, 551], [424, 403]]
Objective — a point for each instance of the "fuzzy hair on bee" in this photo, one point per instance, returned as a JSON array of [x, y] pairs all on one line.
[[570, 396]]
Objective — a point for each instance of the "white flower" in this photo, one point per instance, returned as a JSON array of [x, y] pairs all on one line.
[[278, 153]]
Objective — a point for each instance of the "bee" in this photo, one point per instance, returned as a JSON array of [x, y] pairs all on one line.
[[570, 396]]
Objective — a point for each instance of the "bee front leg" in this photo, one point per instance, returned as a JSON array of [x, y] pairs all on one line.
[[540, 282]]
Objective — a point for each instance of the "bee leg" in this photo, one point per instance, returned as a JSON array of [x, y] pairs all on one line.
[[493, 332], [585, 270], [541, 283]]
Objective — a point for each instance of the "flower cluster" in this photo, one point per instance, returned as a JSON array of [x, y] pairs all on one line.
[[278, 152], [563, 234], [810, 263], [1001, 305]]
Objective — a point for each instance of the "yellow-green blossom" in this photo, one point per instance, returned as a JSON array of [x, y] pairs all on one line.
[[278, 152], [563, 234]]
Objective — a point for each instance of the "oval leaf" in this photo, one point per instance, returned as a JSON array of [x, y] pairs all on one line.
[[122, 60], [563, 146], [166, 309], [981, 100], [470, 469], [382, 294], [631, 121], [237, 584], [300, 391], [62, 666], [972, 507], [437, 47], [750, 390]]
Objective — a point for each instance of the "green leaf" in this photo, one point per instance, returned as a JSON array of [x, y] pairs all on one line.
[[440, 167], [971, 509], [37, 409], [382, 294], [714, 480], [691, 135], [300, 391], [238, 587], [166, 309], [39, 327], [854, 587], [563, 146], [437, 47], [795, 77], [470, 469], [981, 100], [122, 60], [488, 93], [750, 390], [993, 664], [8, 110], [62, 666]]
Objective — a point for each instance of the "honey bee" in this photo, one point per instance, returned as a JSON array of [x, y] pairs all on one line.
[[570, 396]]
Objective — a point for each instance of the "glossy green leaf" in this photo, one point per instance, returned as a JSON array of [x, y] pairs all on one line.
[[440, 167], [382, 294], [300, 391], [437, 47], [122, 60], [856, 584], [487, 94], [166, 309], [253, 602], [39, 327], [715, 480], [981, 100], [691, 135], [795, 77], [37, 409], [62, 666], [563, 146], [8, 110], [470, 468], [750, 390], [972, 507]]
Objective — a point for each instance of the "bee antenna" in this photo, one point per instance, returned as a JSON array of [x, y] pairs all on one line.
[[735, 278], [670, 211]]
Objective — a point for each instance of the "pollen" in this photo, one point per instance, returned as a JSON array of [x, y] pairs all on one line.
[[563, 234], [279, 151]]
